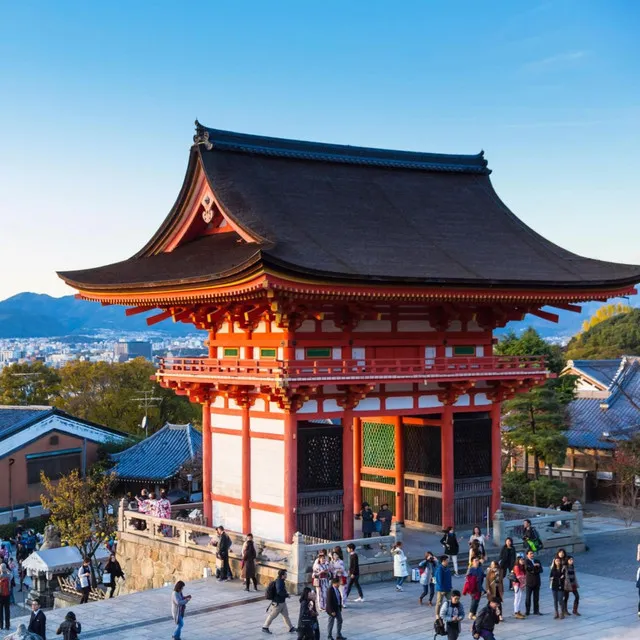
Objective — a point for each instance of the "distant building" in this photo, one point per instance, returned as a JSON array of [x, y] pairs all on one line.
[[124, 351], [39, 438]]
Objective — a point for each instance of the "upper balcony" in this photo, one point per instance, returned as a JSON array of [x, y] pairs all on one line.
[[375, 371]]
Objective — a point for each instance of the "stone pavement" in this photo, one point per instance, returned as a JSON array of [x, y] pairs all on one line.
[[608, 606]]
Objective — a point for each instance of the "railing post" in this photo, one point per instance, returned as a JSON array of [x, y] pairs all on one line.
[[121, 515], [396, 531], [297, 560], [498, 528], [579, 513]]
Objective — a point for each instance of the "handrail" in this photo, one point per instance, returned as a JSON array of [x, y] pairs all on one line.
[[399, 368]]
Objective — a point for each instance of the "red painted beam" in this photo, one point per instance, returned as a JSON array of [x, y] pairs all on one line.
[[545, 315], [576, 308], [133, 311], [159, 318]]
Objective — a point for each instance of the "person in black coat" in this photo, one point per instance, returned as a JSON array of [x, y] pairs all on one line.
[[451, 547], [534, 570], [113, 567], [224, 544], [507, 560], [368, 525], [69, 628], [38, 621], [354, 573], [486, 620], [334, 609]]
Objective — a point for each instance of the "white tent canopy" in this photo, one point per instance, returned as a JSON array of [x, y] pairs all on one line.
[[51, 561]]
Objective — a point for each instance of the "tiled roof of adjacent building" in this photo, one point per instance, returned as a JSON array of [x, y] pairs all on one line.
[[597, 423], [601, 371], [340, 213], [160, 456]]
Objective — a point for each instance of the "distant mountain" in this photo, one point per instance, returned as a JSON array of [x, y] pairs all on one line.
[[34, 315]]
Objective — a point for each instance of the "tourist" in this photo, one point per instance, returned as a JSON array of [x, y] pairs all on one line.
[[249, 556], [384, 517], [556, 582], [473, 586], [223, 544], [70, 627], [530, 537], [368, 525], [450, 543], [337, 569], [495, 586], [427, 568], [477, 536], [321, 575], [334, 609], [354, 573], [443, 582], [114, 572], [178, 608], [518, 579], [5, 597], [534, 570], [38, 621], [571, 586], [452, 613], [561, 554], [338, 549], [486, 621], [84, 577], [507, 560], [308, 627], [14, 569], [163, 510], [400, 569], [278, 606], [566, 504], [638, 584]]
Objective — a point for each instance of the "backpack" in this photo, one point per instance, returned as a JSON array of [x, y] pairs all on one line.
[[270, 593], [5, 587], [439, 628]]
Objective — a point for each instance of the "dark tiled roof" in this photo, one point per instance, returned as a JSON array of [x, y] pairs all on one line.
[[14, 419], [603, 371], [356, 214], [618, 415], [160, 456]]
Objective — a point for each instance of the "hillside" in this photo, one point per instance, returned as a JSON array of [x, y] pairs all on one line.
[[33, 315], [610, 338]]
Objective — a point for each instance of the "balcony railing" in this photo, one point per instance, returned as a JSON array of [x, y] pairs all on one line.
[[372, 370]]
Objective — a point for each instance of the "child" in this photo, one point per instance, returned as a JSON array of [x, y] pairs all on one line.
[[427, 567], [571, 586]]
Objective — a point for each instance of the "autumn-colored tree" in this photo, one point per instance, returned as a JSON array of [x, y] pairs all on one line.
[[604, 313], [28, 383], [78, 508]]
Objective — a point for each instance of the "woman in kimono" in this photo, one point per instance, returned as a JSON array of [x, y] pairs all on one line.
[[321, 575], [163, 510]]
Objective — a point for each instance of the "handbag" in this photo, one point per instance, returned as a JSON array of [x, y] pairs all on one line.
[[106, 578], [343, 579], [378, 526], [415, 575]]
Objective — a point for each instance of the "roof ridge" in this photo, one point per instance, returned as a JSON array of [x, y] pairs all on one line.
[[28, 407], [212, 139]]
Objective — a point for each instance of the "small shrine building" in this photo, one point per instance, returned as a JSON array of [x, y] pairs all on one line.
[[350, 297]]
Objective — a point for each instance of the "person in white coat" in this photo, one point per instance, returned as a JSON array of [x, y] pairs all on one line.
[[400, 569]]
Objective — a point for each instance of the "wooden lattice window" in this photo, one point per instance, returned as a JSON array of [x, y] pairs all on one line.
[[378, 445], [312, 353], [472, 445], [268, 353], [230, 352], [319, 457], [422, 450], [54, 465], [464, 350]]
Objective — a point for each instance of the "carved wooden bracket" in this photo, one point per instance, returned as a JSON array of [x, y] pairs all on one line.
[[290, 400], [451, 391], [353, 393]]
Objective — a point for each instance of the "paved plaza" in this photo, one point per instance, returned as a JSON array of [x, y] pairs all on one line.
[[608, 603]]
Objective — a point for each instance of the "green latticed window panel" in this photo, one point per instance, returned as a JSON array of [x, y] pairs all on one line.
[[378, 445]]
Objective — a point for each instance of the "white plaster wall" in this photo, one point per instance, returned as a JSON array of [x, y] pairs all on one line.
[[401, 402], [261, 328], [266, 425], [414, 325], [225, 421], [260, 405], [463, 401], [299, 353], [336, 353], [448, 352], [307, 326], [426, 402], [373, 325], [481, 399], [331, 406], [226, 462], [480, 351], [368, 404], [265, 524], [455, 325], [275, 328], [267, 471], [310, 406], [328, 326], [218, 402], [275, 408], [472, 325], [224, 328], [228, 515]]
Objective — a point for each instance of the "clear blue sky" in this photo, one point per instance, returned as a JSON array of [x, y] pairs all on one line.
[[97, 102]]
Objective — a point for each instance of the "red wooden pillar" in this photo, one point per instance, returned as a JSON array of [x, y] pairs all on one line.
[[206, 463], [347, 474], [357, 465], [446, 458], [290, 475], [496, 458], [399, 467], [246, 468]]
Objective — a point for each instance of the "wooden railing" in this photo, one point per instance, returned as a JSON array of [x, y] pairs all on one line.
[[400, 369]]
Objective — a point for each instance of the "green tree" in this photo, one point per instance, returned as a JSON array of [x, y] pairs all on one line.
[[107, 394], [627, 472], [28, 383], [535, 422], [611, 338], [78, 508]]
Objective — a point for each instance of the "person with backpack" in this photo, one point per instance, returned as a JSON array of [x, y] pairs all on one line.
[[530, 538], [487, 619], [473, 586], [354, 573], [427, 568], [451, 547], [442, 576], [276, 593], [534, 571], [452, 614], [70, 628], [5, 597]]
